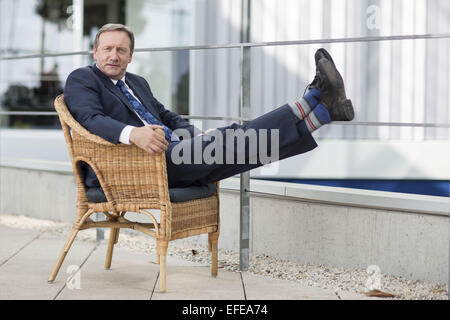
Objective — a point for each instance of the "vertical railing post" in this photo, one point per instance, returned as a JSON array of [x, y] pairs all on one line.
[[244, 230], [244, 240], [100, 235]]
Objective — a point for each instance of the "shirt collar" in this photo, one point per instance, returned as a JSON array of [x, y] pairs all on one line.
[[115, 81]]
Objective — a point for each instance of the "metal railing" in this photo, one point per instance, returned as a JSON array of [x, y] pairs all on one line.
[[193, 117], [245, 61], [244, 107], [239, 45]]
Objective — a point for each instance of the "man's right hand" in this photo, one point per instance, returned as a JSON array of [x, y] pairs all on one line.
[[149, 139]]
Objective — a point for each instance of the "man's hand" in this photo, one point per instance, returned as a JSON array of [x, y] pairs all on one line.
[[149, 139]]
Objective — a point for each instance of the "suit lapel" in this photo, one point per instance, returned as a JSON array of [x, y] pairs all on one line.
[[111, 87], [141, 94]]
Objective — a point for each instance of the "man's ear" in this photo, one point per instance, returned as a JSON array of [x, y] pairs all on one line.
[[95, 53], [131, 57]]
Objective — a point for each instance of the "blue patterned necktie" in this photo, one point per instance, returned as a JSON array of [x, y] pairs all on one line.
[[144, 113]]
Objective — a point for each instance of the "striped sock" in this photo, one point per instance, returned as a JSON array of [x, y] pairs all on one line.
[[317, 118], [305, 105]]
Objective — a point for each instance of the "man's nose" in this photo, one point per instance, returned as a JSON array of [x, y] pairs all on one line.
[[113, 55]]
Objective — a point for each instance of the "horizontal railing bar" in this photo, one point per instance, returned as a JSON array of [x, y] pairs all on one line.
[[47, 55], [253, 44], [393, 124], [300, 42], [352, 123], [28, 113]]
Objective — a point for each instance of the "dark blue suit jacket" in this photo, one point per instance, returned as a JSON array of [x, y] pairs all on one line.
[[99, 106]]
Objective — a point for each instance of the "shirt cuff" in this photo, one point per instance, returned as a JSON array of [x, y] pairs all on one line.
[[125, 135]]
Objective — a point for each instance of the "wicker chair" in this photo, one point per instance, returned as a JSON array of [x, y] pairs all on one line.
[[132, 181]]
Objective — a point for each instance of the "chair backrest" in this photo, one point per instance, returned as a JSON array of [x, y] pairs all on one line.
[[127, 174]]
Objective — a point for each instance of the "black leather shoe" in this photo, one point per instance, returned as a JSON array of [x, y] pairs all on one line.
[[317, 82], [332, 86]]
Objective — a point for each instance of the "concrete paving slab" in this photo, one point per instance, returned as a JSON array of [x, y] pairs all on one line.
[[132, 276], [12, 240], [264, 288], [25, 275], [196, 283]]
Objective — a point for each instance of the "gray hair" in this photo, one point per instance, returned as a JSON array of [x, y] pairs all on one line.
[[115, 27]]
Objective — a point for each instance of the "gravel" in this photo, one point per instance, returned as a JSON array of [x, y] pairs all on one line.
[[321, 276]]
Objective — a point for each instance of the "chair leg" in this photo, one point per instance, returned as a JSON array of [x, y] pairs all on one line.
[[161, 249], [113, 238], [213, 238], [63, 254], [117, 236]]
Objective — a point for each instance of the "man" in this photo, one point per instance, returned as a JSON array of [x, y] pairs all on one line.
[[120, 107]]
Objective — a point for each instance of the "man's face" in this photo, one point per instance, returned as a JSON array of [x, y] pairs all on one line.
[[113, 53]]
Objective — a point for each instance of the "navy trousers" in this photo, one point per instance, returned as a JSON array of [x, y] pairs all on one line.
[[294, 139]]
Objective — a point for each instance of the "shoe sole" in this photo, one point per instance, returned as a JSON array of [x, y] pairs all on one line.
[[328, 68], [347, 107]]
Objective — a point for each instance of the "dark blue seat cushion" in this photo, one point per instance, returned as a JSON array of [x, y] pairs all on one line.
[[176, 194]]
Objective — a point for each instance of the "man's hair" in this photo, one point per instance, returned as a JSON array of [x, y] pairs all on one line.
[[115, 27]]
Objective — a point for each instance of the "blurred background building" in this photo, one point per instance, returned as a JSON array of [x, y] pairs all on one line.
[[389, 82]]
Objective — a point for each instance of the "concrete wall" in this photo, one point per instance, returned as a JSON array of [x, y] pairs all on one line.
[[38, 194], [402, 243], [405, 235]]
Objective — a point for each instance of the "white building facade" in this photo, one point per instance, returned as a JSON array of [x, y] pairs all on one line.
[[390, 82]]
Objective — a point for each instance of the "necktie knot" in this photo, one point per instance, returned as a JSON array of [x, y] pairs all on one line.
[[120, 84]]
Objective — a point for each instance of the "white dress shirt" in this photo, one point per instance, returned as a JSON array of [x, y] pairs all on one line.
[[125, 134]]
